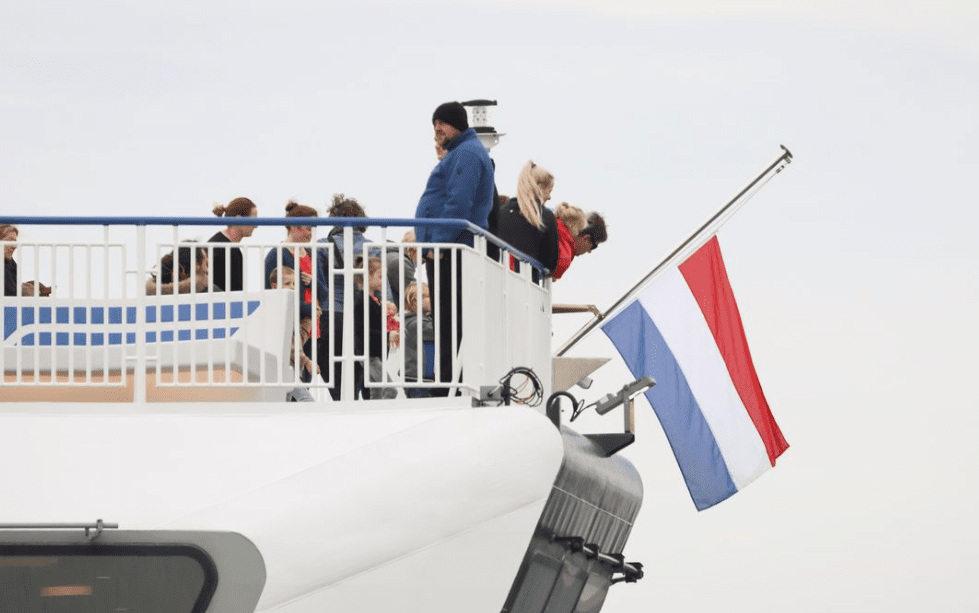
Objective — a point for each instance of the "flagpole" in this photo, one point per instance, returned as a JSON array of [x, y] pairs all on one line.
[[709, 228]]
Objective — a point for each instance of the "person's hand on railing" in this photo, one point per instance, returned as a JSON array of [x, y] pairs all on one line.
[[30, 288], [308, 364], [305, 329], [394, 339], [577, 308], [201, 279]]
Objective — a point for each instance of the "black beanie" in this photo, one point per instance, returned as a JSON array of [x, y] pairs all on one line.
[[453, 114]]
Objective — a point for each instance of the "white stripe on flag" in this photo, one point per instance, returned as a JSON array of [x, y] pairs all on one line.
[[673, 308]]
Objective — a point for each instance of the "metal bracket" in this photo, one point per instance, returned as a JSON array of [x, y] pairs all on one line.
[[631, 571], [490, 393], [610, 444], [98, 526]]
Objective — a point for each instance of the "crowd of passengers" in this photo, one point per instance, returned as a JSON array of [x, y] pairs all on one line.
[[461, 186]]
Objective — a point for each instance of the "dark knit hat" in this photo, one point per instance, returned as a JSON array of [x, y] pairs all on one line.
[[453, 114]]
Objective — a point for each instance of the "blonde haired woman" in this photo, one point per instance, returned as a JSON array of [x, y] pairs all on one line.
[[526, 223]]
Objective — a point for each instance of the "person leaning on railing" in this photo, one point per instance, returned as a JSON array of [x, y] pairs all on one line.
[[525, 223], [190, 277], [577, 235]]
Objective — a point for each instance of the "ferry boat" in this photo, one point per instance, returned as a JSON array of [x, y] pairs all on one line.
[[153, 464]]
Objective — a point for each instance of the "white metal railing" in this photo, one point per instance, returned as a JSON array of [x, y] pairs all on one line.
[[100, 330]]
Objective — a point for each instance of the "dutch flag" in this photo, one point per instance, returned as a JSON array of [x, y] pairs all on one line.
[[684, 330]]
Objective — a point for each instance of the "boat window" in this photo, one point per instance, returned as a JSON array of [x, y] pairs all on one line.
[[96, 577]]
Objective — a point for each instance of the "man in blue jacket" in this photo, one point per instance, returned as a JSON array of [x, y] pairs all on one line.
[[460, 187]]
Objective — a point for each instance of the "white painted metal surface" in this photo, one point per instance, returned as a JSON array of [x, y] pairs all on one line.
[[327, 497], [353, 505]]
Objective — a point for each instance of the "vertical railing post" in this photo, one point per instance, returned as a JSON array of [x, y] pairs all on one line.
[[475, 338], [106, 329], [347, 369], [139, 366]]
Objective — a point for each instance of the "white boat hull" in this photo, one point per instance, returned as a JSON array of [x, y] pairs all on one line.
[[343, 505]]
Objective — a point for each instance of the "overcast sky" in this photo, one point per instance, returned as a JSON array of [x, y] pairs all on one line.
[[856, 268]]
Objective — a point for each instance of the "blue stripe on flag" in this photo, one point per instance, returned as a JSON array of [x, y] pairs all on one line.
[[646, 353]]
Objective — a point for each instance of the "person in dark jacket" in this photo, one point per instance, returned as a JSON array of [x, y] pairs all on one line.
[[526, 223], [178, 275], [342, 206], [229, 259], [459, 187], [312, 280], [382, 331], [9, 234]]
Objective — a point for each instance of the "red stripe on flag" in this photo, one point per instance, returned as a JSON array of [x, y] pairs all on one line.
[[705, 274]]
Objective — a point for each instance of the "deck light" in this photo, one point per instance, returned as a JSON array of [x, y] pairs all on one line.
[[626, 395], [481, 119]]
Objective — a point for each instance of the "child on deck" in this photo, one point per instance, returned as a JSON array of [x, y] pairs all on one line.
[[411, 339], [382, 323], [182, 276], [300, 394]]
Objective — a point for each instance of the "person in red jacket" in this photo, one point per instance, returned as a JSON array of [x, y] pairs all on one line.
[[570, 222], [577, 235]]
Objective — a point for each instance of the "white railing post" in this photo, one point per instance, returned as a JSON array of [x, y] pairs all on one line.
[[347, 368], [139, 366], [107, 328]]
